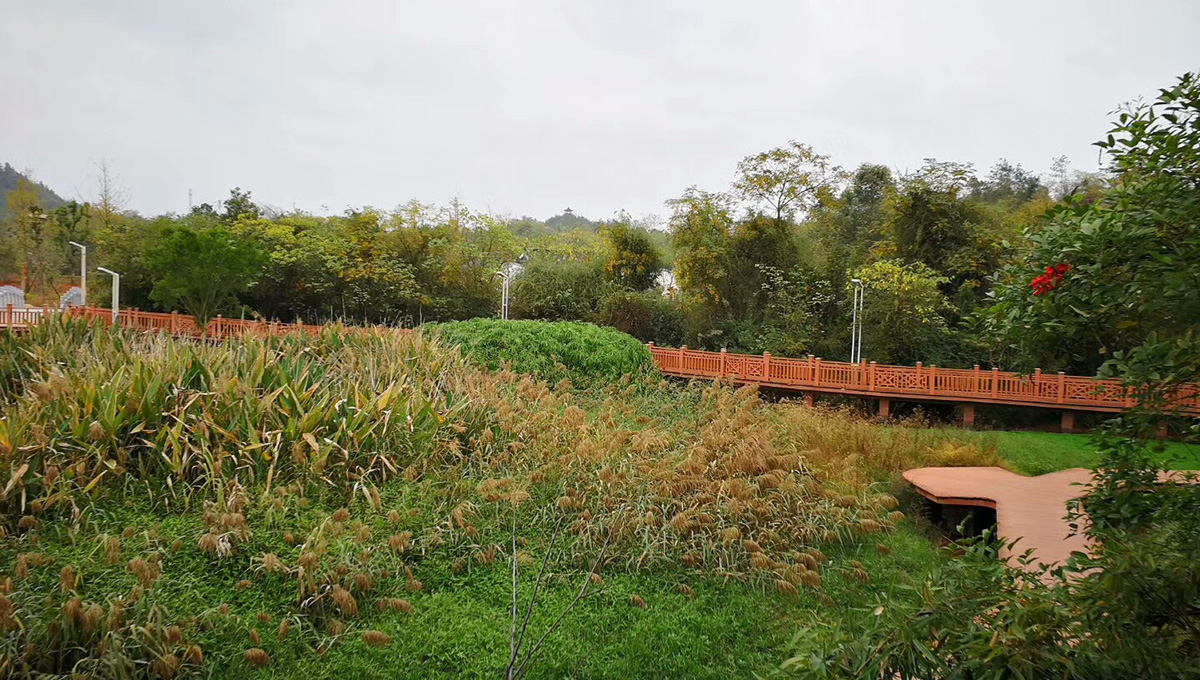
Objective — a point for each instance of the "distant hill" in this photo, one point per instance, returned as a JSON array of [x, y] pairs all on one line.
[[8, 181]]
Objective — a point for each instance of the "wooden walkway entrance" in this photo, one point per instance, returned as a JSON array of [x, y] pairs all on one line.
[[1029, 508], [969, 387]]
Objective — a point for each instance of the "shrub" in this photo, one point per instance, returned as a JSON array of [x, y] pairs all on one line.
[[549, 350], [646, 316], [559, 291]]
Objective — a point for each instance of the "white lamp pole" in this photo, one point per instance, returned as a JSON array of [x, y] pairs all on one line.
[[504, 276], [116, 290], [82, 270], [856, 322]]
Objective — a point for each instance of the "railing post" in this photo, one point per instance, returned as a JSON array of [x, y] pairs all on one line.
[[975, 384], [1062, 384], [918, 375], [811, 373], [871, 372], [932, 378], [174, 327], [766, 367], [995, 382], [1037, 383], [10, 319], [217, 328], [817, 372], [721, 372], [682, 349]]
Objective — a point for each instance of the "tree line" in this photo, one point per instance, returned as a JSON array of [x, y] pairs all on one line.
[[949, 258]]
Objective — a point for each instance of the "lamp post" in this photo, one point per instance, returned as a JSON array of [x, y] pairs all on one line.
[[82, 270], [856, 322], [116, 291], [504, 278]]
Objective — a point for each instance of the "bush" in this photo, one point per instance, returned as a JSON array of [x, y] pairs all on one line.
[[646, 316], [559, 291], [548, 350]]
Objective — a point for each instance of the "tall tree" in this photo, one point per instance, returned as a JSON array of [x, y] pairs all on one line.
[[632, 261], [202, 269], [788, 179], [1107, 275]]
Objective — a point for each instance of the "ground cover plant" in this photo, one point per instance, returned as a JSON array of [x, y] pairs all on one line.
[[354, 502], [550, 351]]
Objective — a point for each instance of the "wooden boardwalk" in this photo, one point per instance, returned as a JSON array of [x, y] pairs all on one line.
[[16, 319], [968, 387], [1029, 508]]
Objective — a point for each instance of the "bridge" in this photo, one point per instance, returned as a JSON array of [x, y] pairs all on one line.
[[969, 388], [17, 319]]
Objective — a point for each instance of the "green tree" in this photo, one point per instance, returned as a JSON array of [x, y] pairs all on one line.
[[202, 269], [34, 234], [239, 205], [931, 220], [633, 261], [559, 291], [647, 316], [789, 179], [904, 312], [1133, 252]]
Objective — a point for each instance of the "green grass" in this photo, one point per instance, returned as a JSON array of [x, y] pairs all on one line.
[[1037, 453], [184, 450], [551, 351], [460, 621]]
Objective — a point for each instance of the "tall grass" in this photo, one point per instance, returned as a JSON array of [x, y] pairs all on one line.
[[347, 474]]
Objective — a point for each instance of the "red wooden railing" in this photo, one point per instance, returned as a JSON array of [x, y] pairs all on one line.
[[175, 324], [920, 383]]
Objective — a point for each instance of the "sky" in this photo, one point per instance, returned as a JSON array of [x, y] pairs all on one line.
[[526, 108]]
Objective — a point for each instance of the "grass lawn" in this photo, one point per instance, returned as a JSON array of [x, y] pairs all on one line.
[[1036, 453]]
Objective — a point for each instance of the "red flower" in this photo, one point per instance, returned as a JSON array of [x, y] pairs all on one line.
[[1042, 284]]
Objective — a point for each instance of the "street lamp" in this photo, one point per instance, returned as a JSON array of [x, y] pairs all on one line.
[[82, 270], [856, 322], [504, 277], [116, 290]]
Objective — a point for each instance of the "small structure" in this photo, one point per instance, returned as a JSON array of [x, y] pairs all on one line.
[[72, 298], [11, 296]]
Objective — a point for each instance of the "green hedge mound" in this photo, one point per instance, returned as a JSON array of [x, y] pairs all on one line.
[[549, 350]]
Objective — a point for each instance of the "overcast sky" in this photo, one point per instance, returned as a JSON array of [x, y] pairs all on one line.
[[529, 107]]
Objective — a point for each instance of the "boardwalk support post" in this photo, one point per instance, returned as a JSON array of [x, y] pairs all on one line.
[[810, 399], [1068, 421], [968, 416], [885, 408]]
